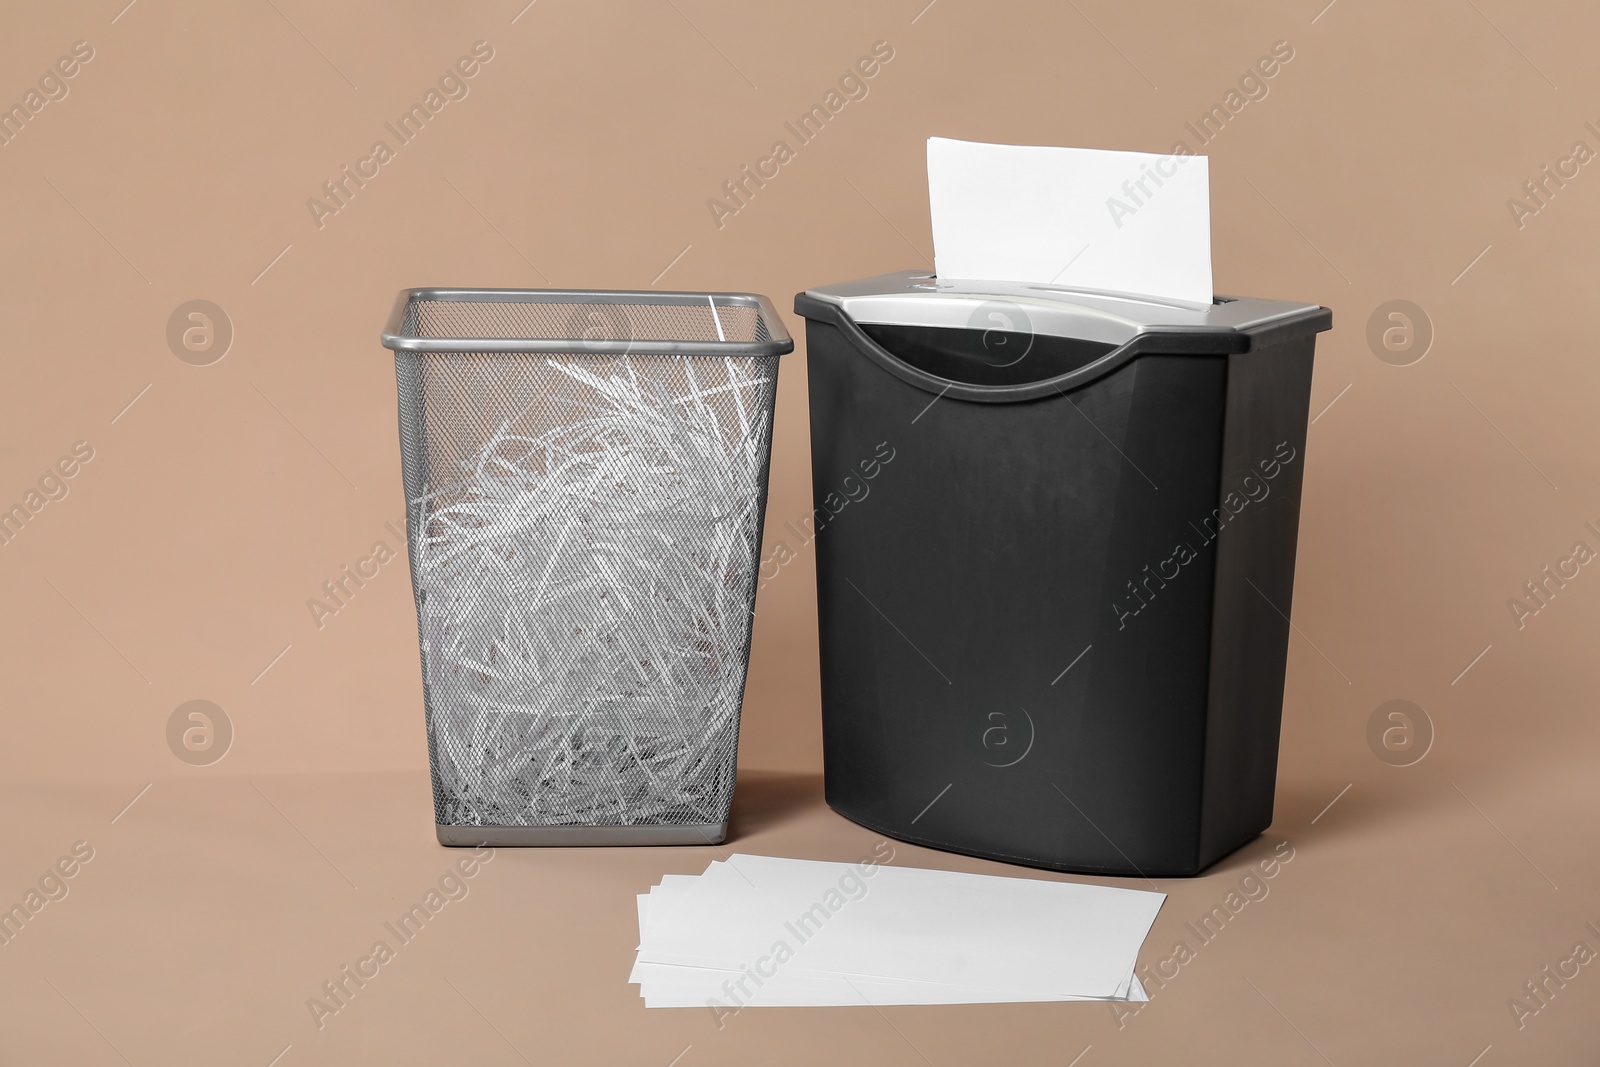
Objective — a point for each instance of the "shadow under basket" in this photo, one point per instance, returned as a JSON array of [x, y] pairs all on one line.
[[586, 477]]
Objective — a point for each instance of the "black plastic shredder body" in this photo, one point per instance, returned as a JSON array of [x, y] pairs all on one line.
[[1055, 535]]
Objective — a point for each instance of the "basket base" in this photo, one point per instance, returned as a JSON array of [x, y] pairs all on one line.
[[580, 836]]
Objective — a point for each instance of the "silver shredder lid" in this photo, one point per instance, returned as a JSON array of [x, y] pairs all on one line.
[[919, 298]]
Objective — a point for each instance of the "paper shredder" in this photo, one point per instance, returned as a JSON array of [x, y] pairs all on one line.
[[1054, 620]]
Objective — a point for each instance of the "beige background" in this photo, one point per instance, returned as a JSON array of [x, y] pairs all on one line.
[[179, 564]]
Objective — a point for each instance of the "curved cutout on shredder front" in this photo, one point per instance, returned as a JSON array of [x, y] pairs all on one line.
[[985, 357]]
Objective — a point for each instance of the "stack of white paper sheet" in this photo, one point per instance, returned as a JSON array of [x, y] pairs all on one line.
[[771, 932]]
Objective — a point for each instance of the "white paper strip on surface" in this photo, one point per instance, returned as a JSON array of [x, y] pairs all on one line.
[[675, 986], [1012, 938], [669, 986]]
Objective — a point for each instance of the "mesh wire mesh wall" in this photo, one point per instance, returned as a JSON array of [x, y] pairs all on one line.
[[576, 319], [585, 533]]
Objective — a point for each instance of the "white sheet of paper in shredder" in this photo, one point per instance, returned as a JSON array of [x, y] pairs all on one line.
[[1124, 222]]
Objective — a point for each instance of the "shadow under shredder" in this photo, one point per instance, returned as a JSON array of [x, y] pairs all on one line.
[[586, 478], [1055, 634]]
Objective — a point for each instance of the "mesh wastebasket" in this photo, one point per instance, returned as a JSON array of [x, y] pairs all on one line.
[[585, 477]]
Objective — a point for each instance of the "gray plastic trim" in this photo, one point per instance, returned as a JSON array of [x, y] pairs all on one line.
[[918, 298], [581, 836], [396, 338]]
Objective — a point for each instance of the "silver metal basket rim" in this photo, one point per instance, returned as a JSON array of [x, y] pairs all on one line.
[[396, 338]]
